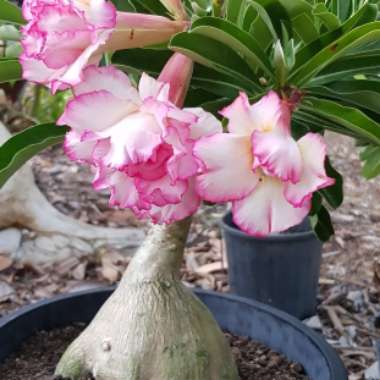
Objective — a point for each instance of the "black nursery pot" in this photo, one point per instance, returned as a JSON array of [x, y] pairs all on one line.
[[242, 317], [281, 270]]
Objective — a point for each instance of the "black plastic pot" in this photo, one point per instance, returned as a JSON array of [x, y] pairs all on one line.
[[243, 317], [281, 270]]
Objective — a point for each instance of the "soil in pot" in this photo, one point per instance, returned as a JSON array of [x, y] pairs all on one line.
[[38, 356]]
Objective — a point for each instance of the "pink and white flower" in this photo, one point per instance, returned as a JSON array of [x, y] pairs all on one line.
[[63, 36], [140, 142], [267, 175]]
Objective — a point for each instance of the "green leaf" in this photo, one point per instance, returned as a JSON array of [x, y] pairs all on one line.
[[10, 13], [309, 51], [333, 194], [215, 55], [316, 204], [10, 70], [349, 118], [233, 9], [9, 33], [329, 19], [124, 5], [150, 6], [359, 36], [152, 61], [371, 158], [349, 65], [257, 22], [365, 94], [341, 8], [26, 144], [317, 123], [141, 6], [197, 96], [235, 38], [304, 27], [322, 224]]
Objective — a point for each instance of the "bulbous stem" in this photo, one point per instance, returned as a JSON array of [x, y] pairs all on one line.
[[161, 254], [152, 327]]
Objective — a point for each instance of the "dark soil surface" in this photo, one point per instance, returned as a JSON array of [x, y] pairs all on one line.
[[38, 356]]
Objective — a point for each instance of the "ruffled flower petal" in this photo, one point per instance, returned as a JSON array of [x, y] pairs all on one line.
[[100, 13], [79, 149], [227, 167], [109, 79], [277, 154], [239, 116], [174, 212], [133, 140], [162, 191], [313, 177], [207, 124], [266, 210], [270, 112], [150, 88], [95, 111]]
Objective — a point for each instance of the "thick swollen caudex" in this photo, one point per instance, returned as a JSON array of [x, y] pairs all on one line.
[[152, 327]]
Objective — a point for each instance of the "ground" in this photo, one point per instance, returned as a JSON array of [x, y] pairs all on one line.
[[349, 309]]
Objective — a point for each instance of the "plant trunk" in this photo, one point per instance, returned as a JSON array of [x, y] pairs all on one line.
[[152, 327], [23, 204]]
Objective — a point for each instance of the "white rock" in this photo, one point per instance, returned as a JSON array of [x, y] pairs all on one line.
[[372, 373], [313, 322], [10, 240]]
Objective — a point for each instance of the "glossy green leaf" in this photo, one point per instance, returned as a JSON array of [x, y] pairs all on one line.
[[317, 123], [236, 39], [365, 94], [328, 19], [124, 5], [358, 36], [10, 13], [233, 9], [23, 146], [371, 158], [261, 27], [215, 55], [309, 51], [10, 70], [322, 224], [333, 194], [362, 126], [348, 66], [152, 61], [9, 33], [303, 25], [341, 8], [149, 60]]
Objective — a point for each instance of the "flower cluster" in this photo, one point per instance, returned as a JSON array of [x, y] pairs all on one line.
[[139, 141], [155, 157], [258, 166]]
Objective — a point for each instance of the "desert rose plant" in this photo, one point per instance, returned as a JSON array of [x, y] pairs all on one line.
[[229, 105]]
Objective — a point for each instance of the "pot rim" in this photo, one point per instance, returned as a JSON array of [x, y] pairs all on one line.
[[274, 237], [331, 357]]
